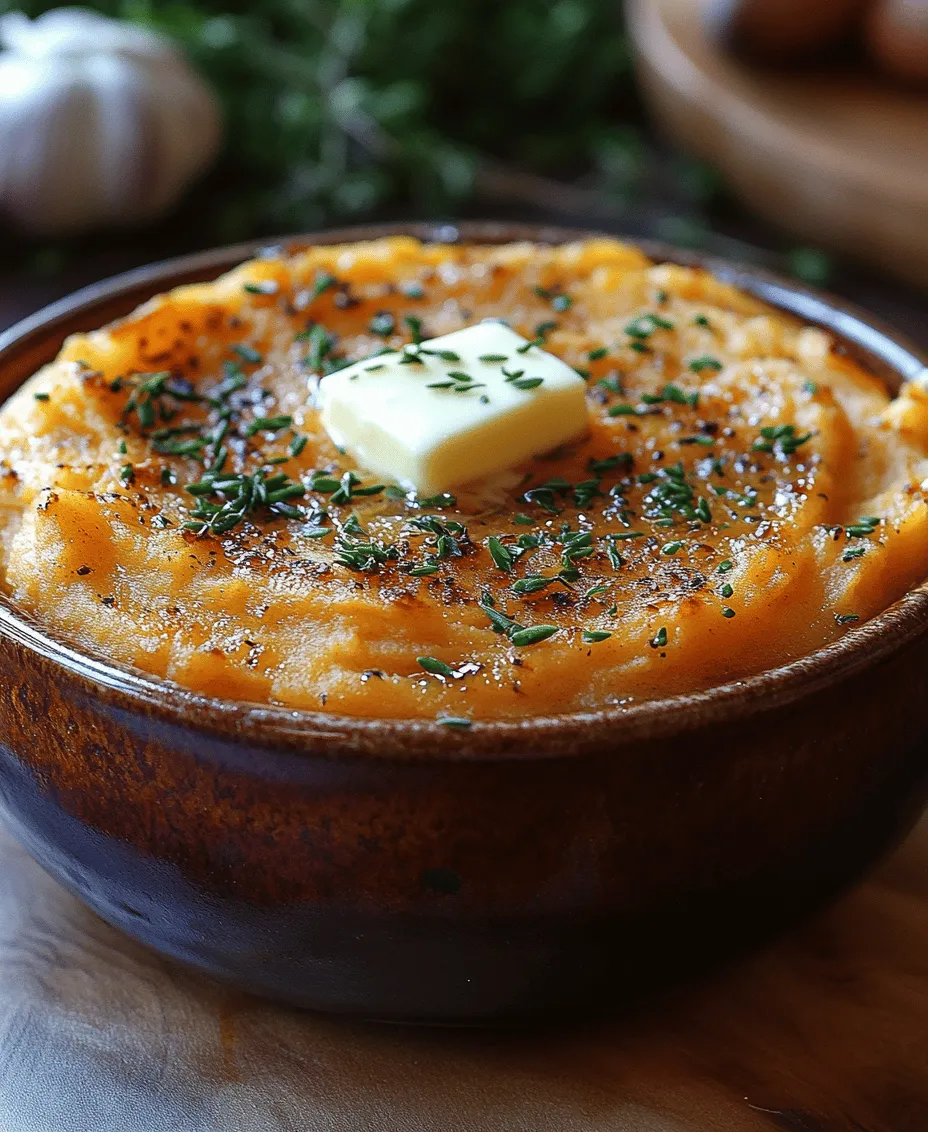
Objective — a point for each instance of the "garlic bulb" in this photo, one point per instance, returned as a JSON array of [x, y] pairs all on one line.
[[101, 123]]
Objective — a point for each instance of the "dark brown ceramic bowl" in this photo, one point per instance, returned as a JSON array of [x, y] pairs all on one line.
[[398, 870]]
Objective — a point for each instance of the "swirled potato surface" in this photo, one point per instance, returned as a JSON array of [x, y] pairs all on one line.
[[743, 496]]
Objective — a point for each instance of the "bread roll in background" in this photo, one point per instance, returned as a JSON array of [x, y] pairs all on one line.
[[782, 31], [897, 37]]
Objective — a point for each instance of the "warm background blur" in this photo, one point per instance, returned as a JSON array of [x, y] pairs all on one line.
[[340, 111]]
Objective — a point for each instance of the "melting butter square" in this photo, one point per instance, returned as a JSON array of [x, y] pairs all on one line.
[[453, 409]]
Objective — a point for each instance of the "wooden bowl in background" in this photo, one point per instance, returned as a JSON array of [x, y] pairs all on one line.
[[396, 869], [837, 158]]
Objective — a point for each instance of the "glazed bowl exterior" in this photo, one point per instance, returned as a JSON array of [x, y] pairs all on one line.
[[402, 870]]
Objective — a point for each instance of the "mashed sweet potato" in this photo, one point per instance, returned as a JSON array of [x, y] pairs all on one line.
[[744, 494]]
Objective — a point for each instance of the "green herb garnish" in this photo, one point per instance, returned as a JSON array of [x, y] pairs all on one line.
[[594, 636], [698, 365], [248, 354], [531, 585], [382, 324], [782, 438], [532, 636], [268, 424], [264, 287], [443, 499], [500, 555]]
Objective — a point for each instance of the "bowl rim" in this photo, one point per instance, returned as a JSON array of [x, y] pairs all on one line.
[[549, 736]]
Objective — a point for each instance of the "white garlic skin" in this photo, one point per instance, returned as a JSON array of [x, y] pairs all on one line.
[[102, 123]]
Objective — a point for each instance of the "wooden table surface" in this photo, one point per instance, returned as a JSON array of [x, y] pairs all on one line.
[[827, 1031]]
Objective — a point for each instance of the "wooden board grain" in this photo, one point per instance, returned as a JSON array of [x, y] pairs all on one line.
[[837, 158], [825, 1032]]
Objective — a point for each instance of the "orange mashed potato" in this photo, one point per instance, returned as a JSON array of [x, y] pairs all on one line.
[[744, 495]]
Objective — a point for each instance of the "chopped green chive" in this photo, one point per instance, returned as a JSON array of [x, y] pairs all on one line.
[[846, 618], [436, 667], [42, 396], [454, 721], [659, 640], [727, 611], [727, 590]]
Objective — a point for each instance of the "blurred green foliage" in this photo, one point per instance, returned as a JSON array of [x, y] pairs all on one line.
[[339, 108]]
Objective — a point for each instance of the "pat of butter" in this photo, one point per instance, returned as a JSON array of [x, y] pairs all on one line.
[[453, 409]]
